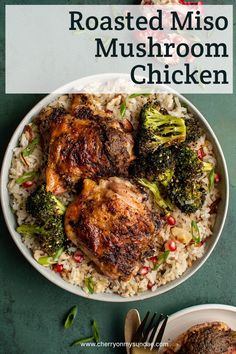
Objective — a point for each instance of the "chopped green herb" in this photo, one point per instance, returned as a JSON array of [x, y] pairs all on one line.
[[27, 176], [211, 179], [83, 340], [161, 259], [89, 284], [123, 109], [70, 317], [46, 260], [195, 232], [51, 260], [58, 253], [96, 335], [30, 147], [139, 94]]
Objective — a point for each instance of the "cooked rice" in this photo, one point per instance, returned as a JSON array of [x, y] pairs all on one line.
[[76, 273]]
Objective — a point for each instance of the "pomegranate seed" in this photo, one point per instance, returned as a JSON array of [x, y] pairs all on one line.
[[150, 285], [27, 184], [200, 153], [171, 220], [144, 270], [153, 259], [58, 268], [78, 257], [172, 246], [217, 178]]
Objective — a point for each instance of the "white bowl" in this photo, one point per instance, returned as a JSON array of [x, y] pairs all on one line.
[[55, 278]]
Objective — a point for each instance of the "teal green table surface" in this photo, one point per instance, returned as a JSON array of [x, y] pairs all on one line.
[[32, 309]]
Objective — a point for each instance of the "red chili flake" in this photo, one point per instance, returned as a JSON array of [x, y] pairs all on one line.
[[58, 268], [144, 270], [27, 184], [153, 259], [78, 257]]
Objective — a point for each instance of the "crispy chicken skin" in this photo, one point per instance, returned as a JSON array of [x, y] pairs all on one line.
[[76, 151], [206, 338], [112, 224], [83, 144]]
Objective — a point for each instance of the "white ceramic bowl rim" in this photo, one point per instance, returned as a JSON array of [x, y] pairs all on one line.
[[56, 279]]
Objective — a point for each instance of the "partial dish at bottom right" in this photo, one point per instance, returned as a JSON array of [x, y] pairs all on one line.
[[203, 329]]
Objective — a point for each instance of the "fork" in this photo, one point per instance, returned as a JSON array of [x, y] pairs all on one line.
[[148, 334]]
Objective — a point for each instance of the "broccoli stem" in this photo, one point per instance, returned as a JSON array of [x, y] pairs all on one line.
[[153, 187], [31, 230]]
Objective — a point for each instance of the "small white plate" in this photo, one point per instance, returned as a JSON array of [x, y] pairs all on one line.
[[182, 320]]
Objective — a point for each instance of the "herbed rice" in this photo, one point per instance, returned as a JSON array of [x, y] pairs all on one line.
[[76, 273]]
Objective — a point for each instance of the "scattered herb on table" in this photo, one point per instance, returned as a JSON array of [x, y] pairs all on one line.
[[30, 147], [71, 317], [82, 340], [161, 259], [195, 232], [96, 335]]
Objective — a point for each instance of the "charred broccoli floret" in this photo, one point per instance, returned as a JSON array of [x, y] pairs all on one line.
[[157, 129], [158, 166], [193, 130], [42, 204], [48, 213], [186, 190], [50, 235], [188, 165], [154, 189], [188, 197]]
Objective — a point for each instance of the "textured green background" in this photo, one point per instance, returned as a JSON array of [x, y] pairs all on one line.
[[32, 309]]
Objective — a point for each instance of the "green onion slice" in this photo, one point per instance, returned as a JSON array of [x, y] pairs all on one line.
[[71, 317], [195, 232], [46, 260], [123, 109], [89, 284], [83, 340], [58, 253], [133, 95], [211, 177], [161, 259], [30, 147], [27, 176], [96, 335]]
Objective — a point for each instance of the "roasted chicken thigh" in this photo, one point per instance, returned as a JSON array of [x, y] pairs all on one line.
[[83, 143], [206, 338], [111, 223]]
